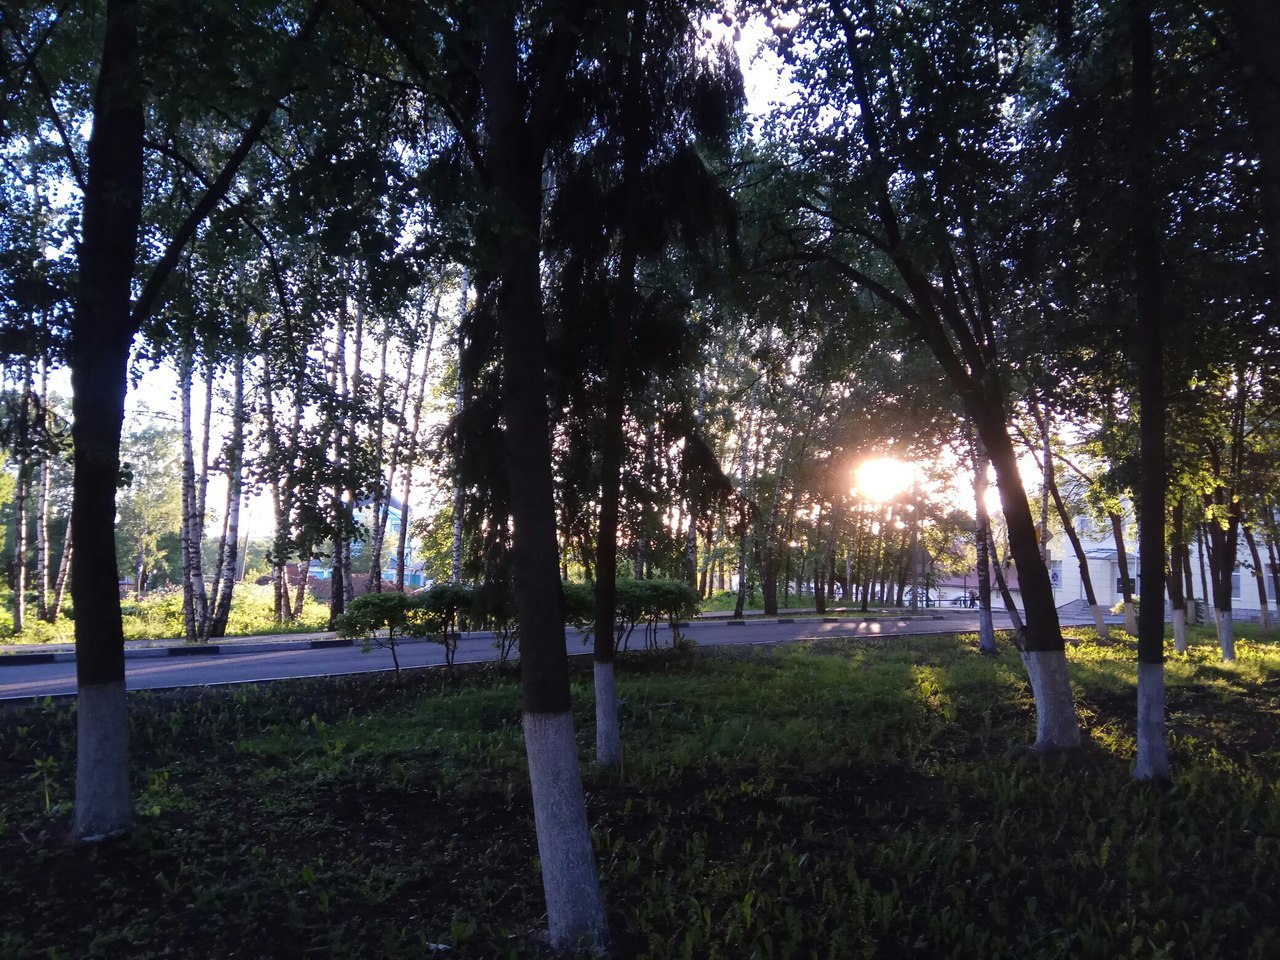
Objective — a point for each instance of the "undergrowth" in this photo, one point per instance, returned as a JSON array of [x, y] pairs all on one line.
[[853, 798]]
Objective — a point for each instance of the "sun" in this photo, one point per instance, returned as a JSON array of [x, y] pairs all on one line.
[[883, 478]]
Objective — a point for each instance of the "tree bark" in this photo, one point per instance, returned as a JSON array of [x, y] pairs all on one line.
[[1153, 749], [575, 911], [411, 452], [228, 551], [21, 487], [195, 601], [101, 332], [42, 501], [64, 572], [1126, 582], [1077, 548], [1260, 577], [1177, 600], [982, 537]]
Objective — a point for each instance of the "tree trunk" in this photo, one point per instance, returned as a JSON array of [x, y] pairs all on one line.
[[21, 487], [740, 604], [1200, 556], [194, 597], [411, 450], [1082, 560], [1177, 600], [1222, 563], [997, 568], [575, 911], [1260, 577], [42, 502], [982, 537], [1126, 582], [229, 550], [382, 492], [1153, 749], [455, 558], [101, 332], [64, 571]]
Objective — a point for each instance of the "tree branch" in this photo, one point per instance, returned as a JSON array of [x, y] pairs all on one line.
[[222, 182]]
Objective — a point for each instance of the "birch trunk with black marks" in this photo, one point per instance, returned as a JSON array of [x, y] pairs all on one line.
[[42, 499], [381, 491], [228, 549], [64, 573], [455, 556], [21, 489], [411, 448], [194, 597], [744, 459]]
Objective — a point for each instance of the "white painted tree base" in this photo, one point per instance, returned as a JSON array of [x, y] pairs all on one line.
[[1264, 618], [1057, 727], [986, 633], [575, 911], [1226, 635], [1099, 622], [608, 737], [1130, 619], [1180, 630], [1153, 746], [103, 805], [1191, 611]]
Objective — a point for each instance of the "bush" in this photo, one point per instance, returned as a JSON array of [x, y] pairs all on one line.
[[493, 607], [579, 605], [652, 601], [440, 606], [372, 612]]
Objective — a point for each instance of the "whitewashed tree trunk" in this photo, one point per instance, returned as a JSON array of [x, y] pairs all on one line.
[[1153, 751], [1056, 725], [1180, 630], [1130, 619], [1099, 622], [986, 633], [1226, 635], [574, 908], [103, 807]]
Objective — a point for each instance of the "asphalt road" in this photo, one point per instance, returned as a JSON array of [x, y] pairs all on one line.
[[253, 662]]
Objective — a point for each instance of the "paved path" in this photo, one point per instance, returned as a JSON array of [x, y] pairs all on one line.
[[317, 655]]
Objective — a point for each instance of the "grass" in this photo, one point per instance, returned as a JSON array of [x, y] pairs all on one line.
[[158, 616], [844, 799]]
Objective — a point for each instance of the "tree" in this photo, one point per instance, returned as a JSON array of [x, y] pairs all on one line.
[[913, 206]]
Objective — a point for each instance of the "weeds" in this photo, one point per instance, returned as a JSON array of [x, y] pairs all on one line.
[[849, 799]]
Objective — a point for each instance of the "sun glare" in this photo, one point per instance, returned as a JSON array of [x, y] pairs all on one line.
[[882, 479]]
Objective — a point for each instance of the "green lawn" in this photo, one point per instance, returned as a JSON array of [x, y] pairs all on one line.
[[158, 616], [853, 799]]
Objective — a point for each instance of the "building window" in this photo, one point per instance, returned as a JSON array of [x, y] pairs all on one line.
[[1235, 584]]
